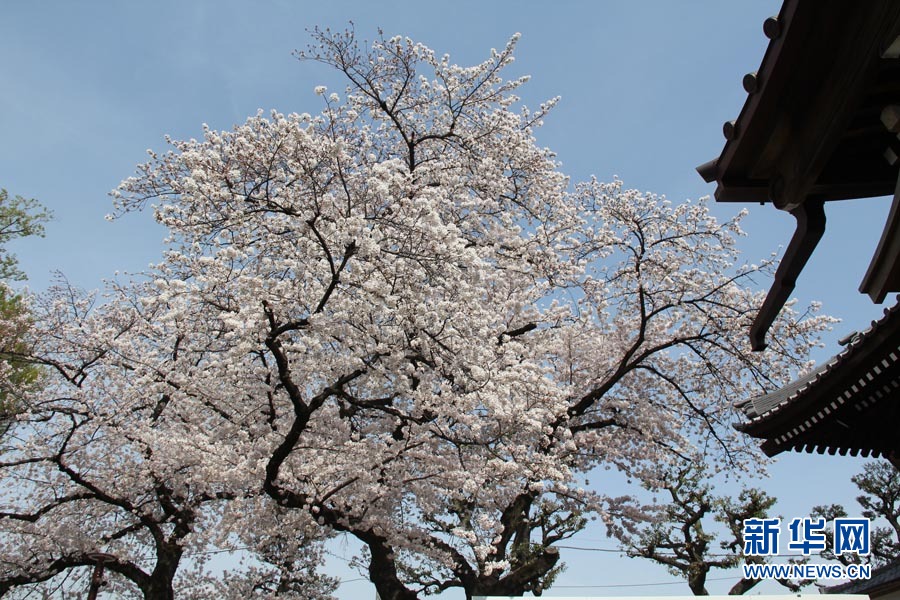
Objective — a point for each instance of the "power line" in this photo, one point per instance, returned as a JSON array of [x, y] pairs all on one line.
[[622, 551], [219, 551], [592, 549], [627, 585]]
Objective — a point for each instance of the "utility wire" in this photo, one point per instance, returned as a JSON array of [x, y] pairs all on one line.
[[623, 551], [626, 585]]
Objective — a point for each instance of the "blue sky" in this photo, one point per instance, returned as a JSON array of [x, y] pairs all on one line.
[[645, 85]]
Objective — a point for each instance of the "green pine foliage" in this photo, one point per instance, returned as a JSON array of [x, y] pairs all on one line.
[[19, 217]]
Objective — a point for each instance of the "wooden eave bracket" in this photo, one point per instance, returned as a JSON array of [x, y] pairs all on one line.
[[810, 217]]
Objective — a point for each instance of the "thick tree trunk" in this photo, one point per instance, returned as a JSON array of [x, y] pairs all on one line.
[[159, 589], [697, 583], [523, 578], [383, 573], [160, 585], [742, 587]]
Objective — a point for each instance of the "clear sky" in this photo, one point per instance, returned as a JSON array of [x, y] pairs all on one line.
[[86, 88]]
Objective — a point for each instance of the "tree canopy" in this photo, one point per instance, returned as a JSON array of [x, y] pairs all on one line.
[[19, 217], [879, 483], [695, 531], [396, 319]]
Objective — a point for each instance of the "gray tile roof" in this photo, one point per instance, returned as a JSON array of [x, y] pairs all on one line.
[[884, 579], [768, 405]]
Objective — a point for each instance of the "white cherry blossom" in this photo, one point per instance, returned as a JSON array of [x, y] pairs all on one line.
[[398, 320]]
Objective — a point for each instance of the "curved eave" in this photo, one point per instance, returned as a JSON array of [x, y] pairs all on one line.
[[851, 404], [809, 126]]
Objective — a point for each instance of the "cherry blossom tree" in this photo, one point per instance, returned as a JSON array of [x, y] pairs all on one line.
[[78, 483], [399, 320], [98, 471]]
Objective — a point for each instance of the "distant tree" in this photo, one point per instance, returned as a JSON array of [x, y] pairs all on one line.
[[17, 375], [697, 531], [19, 217], [879, 483]]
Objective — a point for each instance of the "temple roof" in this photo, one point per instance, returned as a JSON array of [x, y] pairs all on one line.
[[820, 123], [849, 404], [813, 123], [883, 580]]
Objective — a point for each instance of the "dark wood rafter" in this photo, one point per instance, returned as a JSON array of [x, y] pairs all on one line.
[[820, 124], [813, 129]]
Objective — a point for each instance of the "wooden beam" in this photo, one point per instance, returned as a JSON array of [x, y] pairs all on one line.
[[820, 122], [883, 274], [810, 226]]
